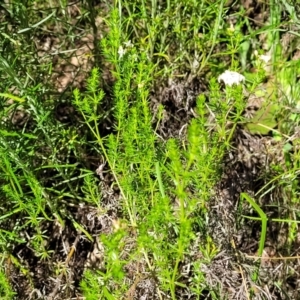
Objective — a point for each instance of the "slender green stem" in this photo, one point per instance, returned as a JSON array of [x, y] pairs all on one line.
[[263, 218]]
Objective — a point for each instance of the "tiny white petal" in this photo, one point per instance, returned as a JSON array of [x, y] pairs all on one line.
[[265, 58], [128, 44], [195, 64], [230, 78], [121, 51]]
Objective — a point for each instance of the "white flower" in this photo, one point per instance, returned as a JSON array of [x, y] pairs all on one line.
[[121, 51], [230, 78], [265, 58], [128, 44], [195, 64]]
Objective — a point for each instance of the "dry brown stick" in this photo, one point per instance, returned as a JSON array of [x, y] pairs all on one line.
[[69, 256], [274, 258], [130, 293], [241, 271]]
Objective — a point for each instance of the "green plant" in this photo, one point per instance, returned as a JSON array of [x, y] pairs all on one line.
[[6, 292], [94, 288], [147, 172]]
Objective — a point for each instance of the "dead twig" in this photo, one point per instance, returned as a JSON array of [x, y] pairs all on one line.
[[59, 279]]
